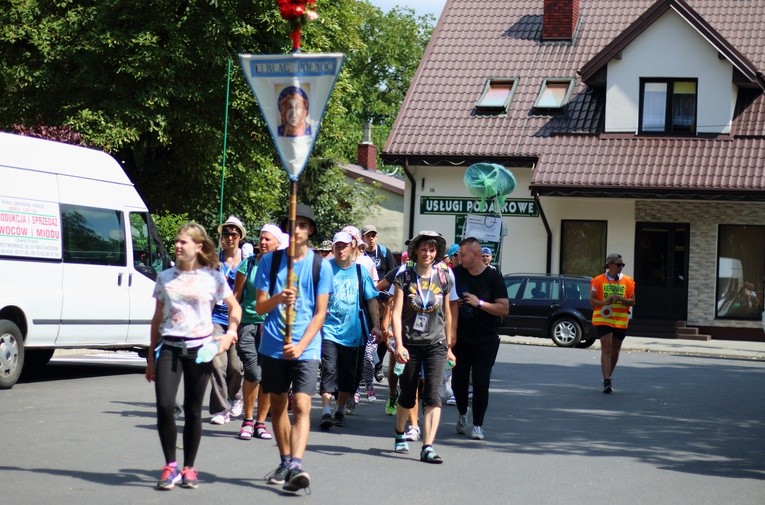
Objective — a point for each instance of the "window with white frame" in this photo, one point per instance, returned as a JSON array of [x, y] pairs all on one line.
[[668, 106]]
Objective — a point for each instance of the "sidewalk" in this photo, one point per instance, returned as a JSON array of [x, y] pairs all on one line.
[[732, 349]]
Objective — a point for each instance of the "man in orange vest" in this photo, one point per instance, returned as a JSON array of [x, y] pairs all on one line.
[[612, 293]]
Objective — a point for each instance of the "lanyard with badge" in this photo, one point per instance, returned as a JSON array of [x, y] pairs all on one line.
[[421, 319]]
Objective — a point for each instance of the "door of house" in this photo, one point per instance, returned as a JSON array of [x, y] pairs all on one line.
[[661, 271]]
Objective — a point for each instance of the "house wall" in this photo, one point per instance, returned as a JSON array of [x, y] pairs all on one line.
[[704, 219], [670, 47], [388, 217]]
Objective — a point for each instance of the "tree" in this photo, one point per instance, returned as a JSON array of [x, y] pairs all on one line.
[[145, 81]]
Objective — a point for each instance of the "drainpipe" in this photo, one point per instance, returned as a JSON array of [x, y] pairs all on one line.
[[412, 199], [547, 228]]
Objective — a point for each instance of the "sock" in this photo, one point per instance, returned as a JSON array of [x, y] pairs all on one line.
[[173, 464], [296, 463], [248, 419], [400, 432], [285, 459], [425, 446]]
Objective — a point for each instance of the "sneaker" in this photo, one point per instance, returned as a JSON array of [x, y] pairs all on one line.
[[400, 445], [356, 397], [607, 387], [477, 433], [390, 405], [371, 397], [338, 419], [451, 400], [350, 407], [379, 373], [296, 479], [237, 408], [189, 478], [279, 475], [247, 430], [169, 478], [326, 422], [220, 418], [412, 434], [462, 423]]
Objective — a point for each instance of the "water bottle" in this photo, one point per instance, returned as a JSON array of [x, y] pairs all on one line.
[[207, 352], [450, 364], [398, 369]]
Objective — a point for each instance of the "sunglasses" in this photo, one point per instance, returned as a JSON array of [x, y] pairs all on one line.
[[455, 254], [230, 234], [620, 265]]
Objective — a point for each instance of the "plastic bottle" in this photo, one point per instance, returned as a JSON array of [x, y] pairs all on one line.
[[449, 364], [207, 352], [398, 369]]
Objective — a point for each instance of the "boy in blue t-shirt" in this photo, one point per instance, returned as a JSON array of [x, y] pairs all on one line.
[[345, 335], [295, 364]]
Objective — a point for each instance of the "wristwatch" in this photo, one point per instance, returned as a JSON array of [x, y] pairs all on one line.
[[480, 303]]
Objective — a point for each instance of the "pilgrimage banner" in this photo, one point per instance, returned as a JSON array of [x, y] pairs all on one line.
[[292, 91]]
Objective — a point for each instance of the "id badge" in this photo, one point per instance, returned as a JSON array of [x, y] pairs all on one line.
[[421, 322]]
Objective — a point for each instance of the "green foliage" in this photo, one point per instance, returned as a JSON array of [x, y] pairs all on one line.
[[145, 80], [168, 226]]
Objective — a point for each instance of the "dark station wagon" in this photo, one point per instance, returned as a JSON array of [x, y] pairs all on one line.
[[550, 306]]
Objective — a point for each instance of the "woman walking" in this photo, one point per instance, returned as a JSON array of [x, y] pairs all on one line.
[[422, 329], [181, 325]]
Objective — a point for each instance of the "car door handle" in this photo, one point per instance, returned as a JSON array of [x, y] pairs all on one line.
[[119, 279]]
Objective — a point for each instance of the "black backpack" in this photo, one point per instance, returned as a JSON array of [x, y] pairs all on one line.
[[277, 260]]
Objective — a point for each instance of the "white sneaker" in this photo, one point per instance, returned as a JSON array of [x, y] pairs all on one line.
[[451, 400], [220, 418], [477, 433], [237, 408], [412, 434], [462, 424]]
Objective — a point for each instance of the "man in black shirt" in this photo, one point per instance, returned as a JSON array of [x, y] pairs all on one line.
[[483, 301]]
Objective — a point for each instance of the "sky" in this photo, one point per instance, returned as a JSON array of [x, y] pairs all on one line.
[[420, 6]]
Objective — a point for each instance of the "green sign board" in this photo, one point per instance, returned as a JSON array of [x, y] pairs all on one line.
[[525, 207]]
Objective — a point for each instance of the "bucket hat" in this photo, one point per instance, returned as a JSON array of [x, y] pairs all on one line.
[[428, 234], [235, 222]]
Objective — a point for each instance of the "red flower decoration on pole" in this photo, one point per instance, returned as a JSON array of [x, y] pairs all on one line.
[[297, 12]]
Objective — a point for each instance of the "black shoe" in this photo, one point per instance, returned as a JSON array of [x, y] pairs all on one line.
[[607, 387], [326, 422], [297, 479], [338, 419], [379, 372]]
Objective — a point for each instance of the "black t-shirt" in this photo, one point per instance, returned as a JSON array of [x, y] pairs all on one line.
[[475, 325], [384, 263]]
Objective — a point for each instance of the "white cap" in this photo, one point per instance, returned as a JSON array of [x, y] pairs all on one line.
[[343, 237]]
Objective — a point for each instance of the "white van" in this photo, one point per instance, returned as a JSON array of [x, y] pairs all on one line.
[[79, 254]]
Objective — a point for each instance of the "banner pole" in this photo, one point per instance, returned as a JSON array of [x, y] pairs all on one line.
[[225, 139], [290, 258]]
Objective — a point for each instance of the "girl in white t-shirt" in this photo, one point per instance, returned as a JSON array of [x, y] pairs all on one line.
[[182, 324]]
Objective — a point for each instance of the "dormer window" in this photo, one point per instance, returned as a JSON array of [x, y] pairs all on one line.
[[668, 106], [496, 96], [554, 94]]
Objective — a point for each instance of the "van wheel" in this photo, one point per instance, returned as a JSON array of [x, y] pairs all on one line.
[[566, 332], [11, 354]]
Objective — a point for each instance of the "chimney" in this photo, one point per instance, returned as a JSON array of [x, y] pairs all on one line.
[[366, 152], [560, 19]]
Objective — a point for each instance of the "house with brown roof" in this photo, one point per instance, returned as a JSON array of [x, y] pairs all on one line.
[[635, 127]]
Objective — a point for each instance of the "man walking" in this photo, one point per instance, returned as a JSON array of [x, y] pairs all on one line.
[[612, 293], [346, 330], [483, 301], [295, 364]]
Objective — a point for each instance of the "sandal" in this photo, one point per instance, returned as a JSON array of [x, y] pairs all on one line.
[[261, 432], [247, 429], [429, 455]]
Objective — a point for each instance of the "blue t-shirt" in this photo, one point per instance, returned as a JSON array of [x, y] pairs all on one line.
[[342, 324], [220, 309], [272, 341]]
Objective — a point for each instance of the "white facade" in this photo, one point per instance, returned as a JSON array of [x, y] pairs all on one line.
[[670, 48]]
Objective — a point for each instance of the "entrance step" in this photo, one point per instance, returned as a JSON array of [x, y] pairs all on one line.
[[664, 329]]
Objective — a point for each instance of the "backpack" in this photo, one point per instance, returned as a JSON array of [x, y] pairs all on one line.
[[364, 315], [277, 260]]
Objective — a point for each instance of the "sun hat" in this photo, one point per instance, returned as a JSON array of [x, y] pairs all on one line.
[[235, 222], [303, 210], [343, 237], [326, 245], [368, 228], [612, 258], [428, 234]]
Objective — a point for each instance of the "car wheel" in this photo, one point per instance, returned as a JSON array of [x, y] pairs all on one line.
[[11, 354], [566, 332], [584, 344]]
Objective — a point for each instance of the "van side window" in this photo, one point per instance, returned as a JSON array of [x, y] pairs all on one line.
[[149, 255], [93, 236]]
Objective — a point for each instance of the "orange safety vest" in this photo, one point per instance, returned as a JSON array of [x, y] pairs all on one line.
[[604, 287]]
